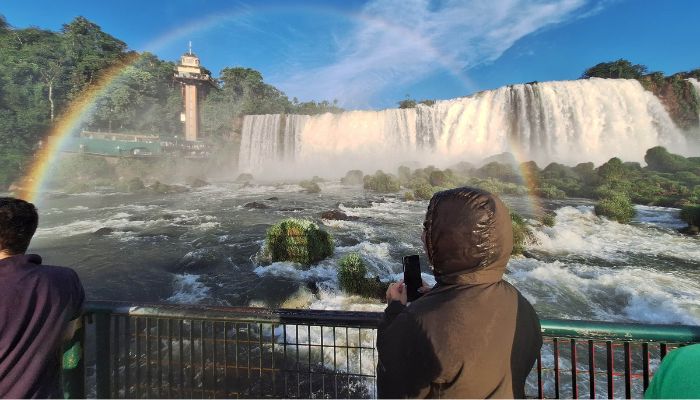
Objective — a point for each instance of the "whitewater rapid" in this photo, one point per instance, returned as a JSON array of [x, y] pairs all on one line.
[[567, 122]]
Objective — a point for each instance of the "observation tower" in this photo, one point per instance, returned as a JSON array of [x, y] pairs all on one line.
[[196, 82]]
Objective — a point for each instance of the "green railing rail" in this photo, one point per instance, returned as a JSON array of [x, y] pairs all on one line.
[[185, 351]]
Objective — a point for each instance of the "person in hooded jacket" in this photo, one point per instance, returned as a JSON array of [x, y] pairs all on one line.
[[473, 335]]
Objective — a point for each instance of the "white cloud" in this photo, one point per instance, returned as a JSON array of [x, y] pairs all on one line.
[[399, 42]]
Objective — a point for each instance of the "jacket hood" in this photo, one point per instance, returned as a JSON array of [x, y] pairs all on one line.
[[468, 236]]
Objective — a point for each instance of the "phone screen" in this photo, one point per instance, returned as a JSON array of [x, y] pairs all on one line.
[[411, 276]]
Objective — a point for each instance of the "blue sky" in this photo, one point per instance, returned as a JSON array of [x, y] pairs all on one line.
[[371, 54]]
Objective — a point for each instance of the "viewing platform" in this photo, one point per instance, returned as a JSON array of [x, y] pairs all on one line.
[[174, 351]]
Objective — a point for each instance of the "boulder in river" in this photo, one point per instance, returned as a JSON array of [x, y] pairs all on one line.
[[104, 231], [337, 215], [256, 205]]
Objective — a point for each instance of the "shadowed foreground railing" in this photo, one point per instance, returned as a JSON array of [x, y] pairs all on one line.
[[154, 351]]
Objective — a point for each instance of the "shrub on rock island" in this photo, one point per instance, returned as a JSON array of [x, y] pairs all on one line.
[[352, 278], [382, 182], [424, 191], [298, 240], [691, 215], [521, 233], [616, 206], [244, 178], [353, 177], [310, 186]]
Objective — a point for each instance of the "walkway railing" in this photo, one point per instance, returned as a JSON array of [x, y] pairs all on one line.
[[137, 351]]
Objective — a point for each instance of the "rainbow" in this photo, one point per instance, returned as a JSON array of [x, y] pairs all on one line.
[[81, 108], [76, 114]]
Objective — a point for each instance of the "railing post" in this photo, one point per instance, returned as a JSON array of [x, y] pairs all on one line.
[[102, 356], [73, 369]]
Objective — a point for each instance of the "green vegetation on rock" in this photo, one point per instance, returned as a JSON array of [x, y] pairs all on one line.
[[298, 240], [352, 278], [353, 177], [521, 233], [310, 187], [616, 206], [691, 215], [382, 182]]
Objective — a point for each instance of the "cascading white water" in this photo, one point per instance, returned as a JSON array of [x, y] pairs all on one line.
[[696, 85], [567, 122]]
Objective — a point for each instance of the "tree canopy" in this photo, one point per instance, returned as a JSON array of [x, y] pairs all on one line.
[[619, 69]]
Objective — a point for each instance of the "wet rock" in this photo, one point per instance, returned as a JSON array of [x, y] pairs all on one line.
[[197, 183], [104, 231], [162, 188], [337, 215], [313, 287], [244, 178], [272, 198], [256, 205]]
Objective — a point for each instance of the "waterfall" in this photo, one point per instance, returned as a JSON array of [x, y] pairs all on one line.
[[567, 122], [696, 85]]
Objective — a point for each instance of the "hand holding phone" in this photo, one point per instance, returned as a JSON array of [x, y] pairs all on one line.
[[412, 277]]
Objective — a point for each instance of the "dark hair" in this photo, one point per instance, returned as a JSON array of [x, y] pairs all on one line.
[[18, 222]]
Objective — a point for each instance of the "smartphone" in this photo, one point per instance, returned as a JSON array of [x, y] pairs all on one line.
[[411, 276]]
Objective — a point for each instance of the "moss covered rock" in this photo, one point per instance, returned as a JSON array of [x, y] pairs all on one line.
[[691, 215], [616, 206], [310, 186], [352, 278], [353, 177], [521, 233], [298, 241], [382, 182]]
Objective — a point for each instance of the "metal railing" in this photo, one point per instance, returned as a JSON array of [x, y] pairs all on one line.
[[137, 351]]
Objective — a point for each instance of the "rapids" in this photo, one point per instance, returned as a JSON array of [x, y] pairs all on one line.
[[200, 247]]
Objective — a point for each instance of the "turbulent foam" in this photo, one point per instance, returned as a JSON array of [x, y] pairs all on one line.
[[611, 294], [188, 289], [579, 231]]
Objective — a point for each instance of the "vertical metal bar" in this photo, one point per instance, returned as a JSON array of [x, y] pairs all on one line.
[[202, 354], [73, 373], [148, 358], [115, 355], [248, 348], [285, 362], [215, 366], [663, 349], [591, 368], [274, 372], [137, 338], [628, 371], [308, 342], [323, 367], [170, 359], [574, 370], [296, 341], [127, 357], [102, 356], [192, 358], [347, 360], [159, 366], [555, 345], [540, 387], [226, 360], [260, 359], [645, 365], [238, 381], [610, 369], [181, 357], [335, 364]]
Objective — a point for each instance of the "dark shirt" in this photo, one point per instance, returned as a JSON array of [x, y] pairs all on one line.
[[36, 304]]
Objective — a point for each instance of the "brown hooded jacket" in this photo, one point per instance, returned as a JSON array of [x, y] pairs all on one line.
[[473, 335]]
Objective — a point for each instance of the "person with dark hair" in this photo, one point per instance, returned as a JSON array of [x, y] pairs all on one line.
[[473, 335], [40, 307]]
